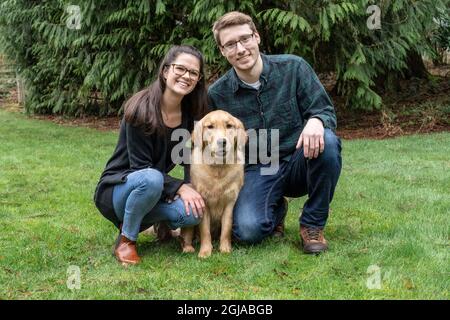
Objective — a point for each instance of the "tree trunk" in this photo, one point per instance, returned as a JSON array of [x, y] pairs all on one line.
[[20, 90], [416, 67], [391, 81]]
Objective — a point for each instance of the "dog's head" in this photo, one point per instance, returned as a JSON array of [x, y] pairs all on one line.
[[220, 137]]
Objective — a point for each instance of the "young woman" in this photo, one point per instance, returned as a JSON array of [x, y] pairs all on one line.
[[135, 191]]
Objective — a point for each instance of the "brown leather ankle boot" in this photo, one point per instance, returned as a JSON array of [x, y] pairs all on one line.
[[313, 240], [163, 232], [126, 251]]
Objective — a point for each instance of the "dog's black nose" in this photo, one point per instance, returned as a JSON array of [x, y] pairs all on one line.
[[222, 142]]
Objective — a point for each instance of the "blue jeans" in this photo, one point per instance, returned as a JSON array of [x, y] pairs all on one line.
[[259, 207], [137, 201]]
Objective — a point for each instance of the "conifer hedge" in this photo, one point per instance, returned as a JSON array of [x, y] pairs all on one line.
[[89, 63]]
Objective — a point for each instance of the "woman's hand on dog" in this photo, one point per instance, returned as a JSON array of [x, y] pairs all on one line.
[[192, 198]]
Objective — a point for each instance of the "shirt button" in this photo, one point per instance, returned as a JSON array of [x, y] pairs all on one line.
[[262, 113]]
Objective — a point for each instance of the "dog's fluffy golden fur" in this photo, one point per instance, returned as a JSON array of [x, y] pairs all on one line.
[[217, 173]]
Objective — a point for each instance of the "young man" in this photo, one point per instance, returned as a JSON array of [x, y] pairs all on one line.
[[279, 92]]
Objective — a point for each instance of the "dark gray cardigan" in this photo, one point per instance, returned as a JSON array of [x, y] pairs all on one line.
[[135, 151]]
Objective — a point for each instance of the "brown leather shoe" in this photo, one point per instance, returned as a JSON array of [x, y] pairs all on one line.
[[126, 251], [278, 232], [116, 243], [313, 240], [163, 232]]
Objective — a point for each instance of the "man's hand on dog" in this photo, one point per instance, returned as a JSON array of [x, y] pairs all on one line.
[[312, 139], [192, 198]]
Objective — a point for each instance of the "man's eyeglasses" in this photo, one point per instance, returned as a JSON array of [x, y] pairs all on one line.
[[180, 70], [245, 40]]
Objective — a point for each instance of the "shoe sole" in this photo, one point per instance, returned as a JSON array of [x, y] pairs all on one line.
[[316, 252]]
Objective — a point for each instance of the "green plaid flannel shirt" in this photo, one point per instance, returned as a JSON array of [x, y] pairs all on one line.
[[289, 95]]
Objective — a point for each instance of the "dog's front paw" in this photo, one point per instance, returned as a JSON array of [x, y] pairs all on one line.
[[225, 248], [205, 252], [188, 249]]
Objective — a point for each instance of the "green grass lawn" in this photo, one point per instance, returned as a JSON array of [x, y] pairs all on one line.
[[390, 213]]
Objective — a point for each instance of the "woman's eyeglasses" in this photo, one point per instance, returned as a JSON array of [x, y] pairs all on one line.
[[180, 70]]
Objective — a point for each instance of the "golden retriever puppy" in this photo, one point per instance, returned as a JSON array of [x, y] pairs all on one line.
[[217, 173]]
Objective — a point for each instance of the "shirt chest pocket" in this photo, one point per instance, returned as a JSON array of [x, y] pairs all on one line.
[[248, 114], [284, 115]]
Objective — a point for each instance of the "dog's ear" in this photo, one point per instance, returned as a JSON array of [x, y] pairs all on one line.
[[241, 134], [197, 143], [197, 135], [240, 141]]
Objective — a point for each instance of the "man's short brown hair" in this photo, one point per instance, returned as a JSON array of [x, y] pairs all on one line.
[[233, 18]]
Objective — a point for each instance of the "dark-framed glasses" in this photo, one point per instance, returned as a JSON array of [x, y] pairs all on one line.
[[180, 70], [245, 40]]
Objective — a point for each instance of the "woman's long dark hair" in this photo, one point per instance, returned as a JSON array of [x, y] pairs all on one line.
[[143, 109]]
